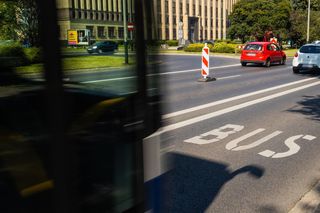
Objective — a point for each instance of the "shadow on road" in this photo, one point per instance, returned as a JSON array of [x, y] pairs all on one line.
[[194, 183], [309, 106]]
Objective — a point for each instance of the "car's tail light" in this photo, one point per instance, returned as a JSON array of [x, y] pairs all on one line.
[[296, 55]]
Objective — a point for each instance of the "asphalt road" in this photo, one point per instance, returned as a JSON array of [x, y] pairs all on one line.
[[247, 142]]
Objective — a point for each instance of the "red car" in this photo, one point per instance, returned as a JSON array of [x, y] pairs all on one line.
[[263, 53]]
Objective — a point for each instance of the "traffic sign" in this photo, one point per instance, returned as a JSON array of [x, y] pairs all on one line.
[[130, 26]]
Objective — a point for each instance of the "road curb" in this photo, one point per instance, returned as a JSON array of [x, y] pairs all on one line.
[[310, 202]]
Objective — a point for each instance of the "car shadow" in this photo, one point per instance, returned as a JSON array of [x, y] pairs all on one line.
[[194, 183]]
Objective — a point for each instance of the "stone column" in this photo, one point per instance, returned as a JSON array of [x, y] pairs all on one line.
[[214, 21], [163, 20], [170, 20], [185, 19], [224, 23], [191, 8], [120, 10], [115, 10], [209, 19], [203, 21], [110, 10], [219, 19], [177, 18]]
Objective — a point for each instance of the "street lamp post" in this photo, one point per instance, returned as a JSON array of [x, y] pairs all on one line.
[[125, 31], [308, 26]]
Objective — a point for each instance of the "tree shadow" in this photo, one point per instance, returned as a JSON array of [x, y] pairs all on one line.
[[309, 106], [194, 183]]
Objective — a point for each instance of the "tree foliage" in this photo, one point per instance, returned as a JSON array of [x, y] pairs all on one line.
[[19, 21], [303, 5], [252, 18]]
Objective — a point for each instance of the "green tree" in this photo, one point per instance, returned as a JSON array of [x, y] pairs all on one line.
[[252, 18], [19, 21], [303, 5]]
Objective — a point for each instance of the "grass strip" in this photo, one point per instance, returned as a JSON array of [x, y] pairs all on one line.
[[79, 63]]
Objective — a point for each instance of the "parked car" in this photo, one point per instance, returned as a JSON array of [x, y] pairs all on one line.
[[103, 46], [316, 42], [307, 58], [264, 53]]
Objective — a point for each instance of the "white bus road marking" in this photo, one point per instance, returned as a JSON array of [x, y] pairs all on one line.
[[290, 143], [221, 133], [192, 109], [229, 109]]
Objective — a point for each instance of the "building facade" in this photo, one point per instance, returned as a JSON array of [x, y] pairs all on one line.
[[193, 19], [174, 19]]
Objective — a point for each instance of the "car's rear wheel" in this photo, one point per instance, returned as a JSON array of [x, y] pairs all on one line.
[[295, 70], [243, 64], [267, 63]]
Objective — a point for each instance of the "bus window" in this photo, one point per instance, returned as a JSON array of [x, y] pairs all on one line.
[[73, 111]]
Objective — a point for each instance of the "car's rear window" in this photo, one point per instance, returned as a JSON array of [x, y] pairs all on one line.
[[253, 47], [310, 49]]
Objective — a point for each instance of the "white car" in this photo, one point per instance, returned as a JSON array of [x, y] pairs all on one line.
[[307, 58]]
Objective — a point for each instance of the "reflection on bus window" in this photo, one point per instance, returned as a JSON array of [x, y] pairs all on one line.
[[75, 142]]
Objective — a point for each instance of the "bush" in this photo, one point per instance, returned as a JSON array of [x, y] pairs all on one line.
[[224, 47], [12, 50], [12, 55], [172, 43], [195, 47], [33, 54]]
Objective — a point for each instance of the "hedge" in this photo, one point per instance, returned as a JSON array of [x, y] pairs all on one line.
[[221, 47], [195, 47], [33, 54], [224, 47], [172, 43]]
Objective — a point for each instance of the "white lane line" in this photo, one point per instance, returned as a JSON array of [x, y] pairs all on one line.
[[165, 73], [192, 109], [229, 109], [110, 79], [227, 77], [198, 69]]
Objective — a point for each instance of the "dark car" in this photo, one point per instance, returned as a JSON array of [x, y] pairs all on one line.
[[103, 46]]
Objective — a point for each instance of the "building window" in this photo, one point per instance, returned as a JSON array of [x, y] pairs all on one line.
[[180, 8], [167, 19], [167, 33], [120, 32], [90, 28], [175, 34], [111, 33], [101, 32]]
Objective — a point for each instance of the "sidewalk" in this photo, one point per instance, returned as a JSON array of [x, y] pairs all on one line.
[[310, 202]]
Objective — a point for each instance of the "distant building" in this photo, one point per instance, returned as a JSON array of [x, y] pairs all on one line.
[[187, 19], [200, 19]]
